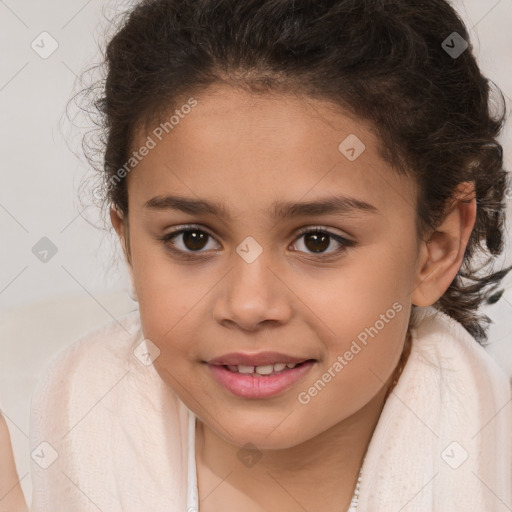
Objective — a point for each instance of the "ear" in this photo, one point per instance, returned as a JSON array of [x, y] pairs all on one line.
[[442, 255], [120, 224]]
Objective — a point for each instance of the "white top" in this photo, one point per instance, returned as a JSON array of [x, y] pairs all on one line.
[[107, 433], [192, 490]]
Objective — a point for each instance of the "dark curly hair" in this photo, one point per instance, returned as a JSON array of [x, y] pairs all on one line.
[[385, 61]]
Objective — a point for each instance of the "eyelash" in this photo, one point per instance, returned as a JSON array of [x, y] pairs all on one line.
[[166, 239]]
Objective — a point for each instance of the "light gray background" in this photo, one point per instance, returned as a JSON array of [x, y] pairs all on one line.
[[45, 306]]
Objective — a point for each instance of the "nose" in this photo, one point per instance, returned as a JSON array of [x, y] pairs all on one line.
[[252, 296]]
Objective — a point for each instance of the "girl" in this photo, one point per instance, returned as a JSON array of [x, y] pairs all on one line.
[[11, 494], [302, 190]]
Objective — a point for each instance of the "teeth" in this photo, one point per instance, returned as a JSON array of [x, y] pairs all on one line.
[[261, 370], [245, 369], [264, 370]]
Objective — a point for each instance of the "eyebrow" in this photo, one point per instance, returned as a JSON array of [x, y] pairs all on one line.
[[279, 210]]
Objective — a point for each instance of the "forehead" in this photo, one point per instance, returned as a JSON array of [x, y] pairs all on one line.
[[249, 150]]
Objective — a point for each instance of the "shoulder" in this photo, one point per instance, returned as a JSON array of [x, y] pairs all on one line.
[[81, 372], [107, 346], [107, 343], [90, 418], [443, 343]]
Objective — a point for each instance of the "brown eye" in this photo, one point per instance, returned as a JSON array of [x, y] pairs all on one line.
[[187, 240], [316, 242], [194, 240]]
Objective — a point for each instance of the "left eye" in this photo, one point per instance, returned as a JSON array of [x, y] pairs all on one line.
[[193, 240], [318, 240]]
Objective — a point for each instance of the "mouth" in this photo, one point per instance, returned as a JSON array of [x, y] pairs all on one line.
[[256, 359], [265, 370], [262, 381]]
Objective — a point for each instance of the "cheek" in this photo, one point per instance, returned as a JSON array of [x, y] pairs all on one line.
[[166, 295], [367, 284], [366, 307], [359, 360]]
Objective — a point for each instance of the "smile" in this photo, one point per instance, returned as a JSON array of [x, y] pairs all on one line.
[[257, 371], [257, 382]]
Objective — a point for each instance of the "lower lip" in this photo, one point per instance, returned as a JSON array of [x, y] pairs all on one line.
[[248, 386]]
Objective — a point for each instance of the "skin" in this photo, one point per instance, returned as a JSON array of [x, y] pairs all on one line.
[[11, 494], [248, 151]]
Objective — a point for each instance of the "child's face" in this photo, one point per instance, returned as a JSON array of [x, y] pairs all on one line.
[[246, 153]]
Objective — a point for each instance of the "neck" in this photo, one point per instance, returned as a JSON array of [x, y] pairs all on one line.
[[319, 474]]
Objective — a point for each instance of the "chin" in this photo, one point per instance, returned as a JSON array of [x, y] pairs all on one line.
[[260, 436]]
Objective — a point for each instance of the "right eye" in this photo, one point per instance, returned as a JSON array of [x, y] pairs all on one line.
[[190, 239]]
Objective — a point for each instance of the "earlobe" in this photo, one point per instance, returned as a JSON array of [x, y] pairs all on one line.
[[442, 255]]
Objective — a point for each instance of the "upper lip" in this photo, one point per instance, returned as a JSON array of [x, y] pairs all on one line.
[[258, 359]]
